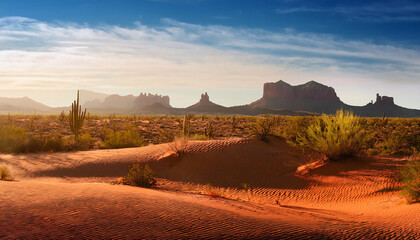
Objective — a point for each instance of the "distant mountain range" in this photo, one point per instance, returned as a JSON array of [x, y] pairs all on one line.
[[24, 104], [280, 98], [318, 98]]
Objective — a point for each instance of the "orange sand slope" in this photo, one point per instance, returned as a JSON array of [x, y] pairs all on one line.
[[64, 195]]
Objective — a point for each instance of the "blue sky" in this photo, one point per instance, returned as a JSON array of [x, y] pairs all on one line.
[[49, 48]]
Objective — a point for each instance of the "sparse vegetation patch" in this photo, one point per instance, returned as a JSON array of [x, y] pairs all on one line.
[[129, 137], [140, 175], [30, 133], [335, 136], [263, 127], [11, 138], [410, 176]]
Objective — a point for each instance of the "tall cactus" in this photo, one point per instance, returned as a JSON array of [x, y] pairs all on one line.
[[186, 126], [76, 117]]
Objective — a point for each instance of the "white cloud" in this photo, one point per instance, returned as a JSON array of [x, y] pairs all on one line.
[[183, 60], [398, 11]]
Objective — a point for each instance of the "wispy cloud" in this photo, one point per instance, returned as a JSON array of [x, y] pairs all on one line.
[[299, 9], [182, 59], [379, 12]]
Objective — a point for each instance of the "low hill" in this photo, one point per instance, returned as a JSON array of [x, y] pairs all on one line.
[[25, 104]]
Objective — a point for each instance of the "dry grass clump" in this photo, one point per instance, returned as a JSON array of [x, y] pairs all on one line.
[[140, 175], [179, 146], [410, 176], [5, 174], [335, 136], [212, 191]]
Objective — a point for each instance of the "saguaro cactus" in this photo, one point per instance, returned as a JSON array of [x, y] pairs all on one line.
[[76, 117], [186, 126]]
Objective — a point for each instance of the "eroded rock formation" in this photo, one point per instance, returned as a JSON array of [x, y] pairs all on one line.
[[149, 99], [310, 90], [384, 100], [205, 97], [311, 96]]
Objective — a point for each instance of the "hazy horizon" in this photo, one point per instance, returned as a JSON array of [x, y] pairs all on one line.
[[49, 49]]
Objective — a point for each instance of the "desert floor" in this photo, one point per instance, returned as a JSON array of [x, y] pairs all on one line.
[[199, 195]]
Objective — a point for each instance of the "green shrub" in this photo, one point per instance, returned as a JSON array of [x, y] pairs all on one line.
[[392, 136], [11, 138], [56, 143], [123, 139], [293, 127], [50, 143], [85, 142], [410, 176], [335, 136], [141, 176], [53, 144], [31, 144], [5, 174]]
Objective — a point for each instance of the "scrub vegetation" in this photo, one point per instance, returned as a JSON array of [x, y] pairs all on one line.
[[339, 135]]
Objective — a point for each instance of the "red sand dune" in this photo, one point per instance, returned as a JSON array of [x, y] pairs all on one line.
[[68, 195]]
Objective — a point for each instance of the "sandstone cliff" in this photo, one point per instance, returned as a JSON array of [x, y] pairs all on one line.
[[311, 96]]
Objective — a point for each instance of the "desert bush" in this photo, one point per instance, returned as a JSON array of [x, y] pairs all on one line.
[[53, 144], [11, 138], [392, 136], [335, 136], [30, 145], [293, 127], [62, 117], [141, 176], [34, 143], [263, 127], [410, 176], [166, 136], [209, 130], [200, 137], [130, 137], [5, 174], [84, 142]]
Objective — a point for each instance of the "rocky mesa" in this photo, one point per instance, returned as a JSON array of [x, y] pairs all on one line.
[[311, 96]]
